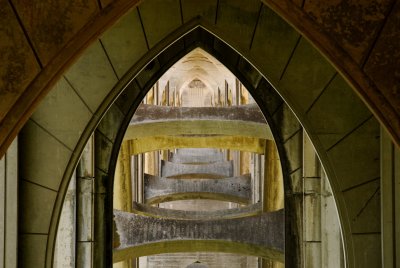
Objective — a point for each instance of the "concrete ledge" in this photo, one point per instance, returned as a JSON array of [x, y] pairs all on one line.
[[199, 157], [167, 142], [233, 213], [235, 189], [213, 170], [199, 127], [137, 235], [154, 113]]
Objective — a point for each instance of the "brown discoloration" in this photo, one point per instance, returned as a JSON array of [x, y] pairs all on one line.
[[51, 24], [299, 3], [18, 64], [353, 24], [383, 66], [105, 3], [19, 113], [340, 58]]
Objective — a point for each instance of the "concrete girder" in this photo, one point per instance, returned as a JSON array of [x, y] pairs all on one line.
[[202, 171], [235, 189], [198, 127], [207, 157], [154, 113], [239, 143], [232, 213], [136, 235]]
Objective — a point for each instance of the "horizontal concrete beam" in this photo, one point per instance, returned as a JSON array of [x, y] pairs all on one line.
[[209, 156], [236, 189], [154, 113], [213, 170], [199, 127], [137, 235], [239, 143], [233, 213]]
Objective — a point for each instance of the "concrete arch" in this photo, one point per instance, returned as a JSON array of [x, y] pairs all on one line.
[[227, 235], [233, 189], [232, 213], [195, 246], [68, 154]]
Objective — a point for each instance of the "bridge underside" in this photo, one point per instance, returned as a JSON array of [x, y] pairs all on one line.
[[137, 235]]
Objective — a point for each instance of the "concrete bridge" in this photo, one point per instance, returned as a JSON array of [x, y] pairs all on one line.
[[153, 113], [137, 235], [212, 170], [190, 156], [234, 189], [232, 213]]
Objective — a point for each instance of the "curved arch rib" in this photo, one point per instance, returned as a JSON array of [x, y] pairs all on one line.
[[261, 235]]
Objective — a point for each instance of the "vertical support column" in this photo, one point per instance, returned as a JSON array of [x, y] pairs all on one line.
[[65, 249], [273, 194], [390, 200], [8, 206], [122, 180], [311, 206], [157, 94], [140, 182], [273, 179], [331, 243], [84, 207], [237, 92], [226, 99]]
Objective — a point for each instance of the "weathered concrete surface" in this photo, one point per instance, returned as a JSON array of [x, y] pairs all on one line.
[[160, 189], [201, 157], [239, 143], [233, 213], [154, 113], [199, 127], [213, 170], [137, 235]]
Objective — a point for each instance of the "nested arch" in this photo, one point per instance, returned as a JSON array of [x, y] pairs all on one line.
[[249, 76]]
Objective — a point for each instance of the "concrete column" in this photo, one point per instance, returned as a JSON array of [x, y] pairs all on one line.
[[64, 253], [236, 163], [311, 206], [226, 99], [8, 206], [122, 180], [237, 92], [331, 238], [140, 179], [273, 194], [390, 200], [84, 207], [273, 179], [244, 163]]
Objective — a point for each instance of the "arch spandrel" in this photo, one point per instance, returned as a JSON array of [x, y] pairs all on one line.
[[331, 170]]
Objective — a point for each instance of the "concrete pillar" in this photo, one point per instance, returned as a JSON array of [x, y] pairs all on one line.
[[64, 253], [390, 200], [140, 184], [273, 179], [84, 207], [331, 238], [237, 92], [273, 194], [8, 206], [244, 163], [311, 206], [122, 180]]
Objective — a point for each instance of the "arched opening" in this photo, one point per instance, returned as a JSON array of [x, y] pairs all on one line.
[[330, 149]]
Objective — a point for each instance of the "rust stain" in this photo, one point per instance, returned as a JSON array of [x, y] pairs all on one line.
[[51, 24], [354, 24], [383, 65], [105, 3], [18, 64]]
